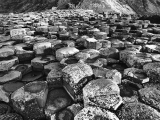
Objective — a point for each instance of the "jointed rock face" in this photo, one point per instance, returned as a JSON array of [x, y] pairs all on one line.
[[79, 65]]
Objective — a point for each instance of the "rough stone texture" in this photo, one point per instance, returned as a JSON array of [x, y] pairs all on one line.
[[143, 7], [152, 70], [90, 113], [138, 111], [103, 93], [150, 96]]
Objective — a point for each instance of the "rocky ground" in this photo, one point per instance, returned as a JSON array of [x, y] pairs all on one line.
[[79, 65]]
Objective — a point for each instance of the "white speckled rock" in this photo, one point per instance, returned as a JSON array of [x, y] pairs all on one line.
[[150, 96], [114, 75], [29, 99], [75, 76], [109, 52], [153, 71], [125, 53], [92, 52], [90, 43], [82, 56], [95, 113], [102, 93], [138, 60], [54, 77], [138, 111], [15, 32], [65, 52]]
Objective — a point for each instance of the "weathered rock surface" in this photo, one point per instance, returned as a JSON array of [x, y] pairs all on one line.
[[138, 111], [142, 7]]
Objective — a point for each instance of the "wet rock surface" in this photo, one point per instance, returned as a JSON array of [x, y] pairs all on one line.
[[78, 65]]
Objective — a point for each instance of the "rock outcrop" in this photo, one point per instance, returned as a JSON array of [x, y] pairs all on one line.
[[142, 7]]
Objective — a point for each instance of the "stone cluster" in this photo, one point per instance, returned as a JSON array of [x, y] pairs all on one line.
[[79, 65]]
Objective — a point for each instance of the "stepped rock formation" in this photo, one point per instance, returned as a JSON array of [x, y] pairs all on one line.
[[142, 7]]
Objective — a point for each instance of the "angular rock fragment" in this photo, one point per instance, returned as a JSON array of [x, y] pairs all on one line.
[[18, 32], [100, 72], [75, 76], [102, 93], [90, 43], [6, 52], [65, 52], [41, 48], [92, 53], [50, 66], [54, 77], [100, 62], [138, 60], [22, 54], [124, 54], [114, 75], [109, 52], [6, 64], [105, 43]]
